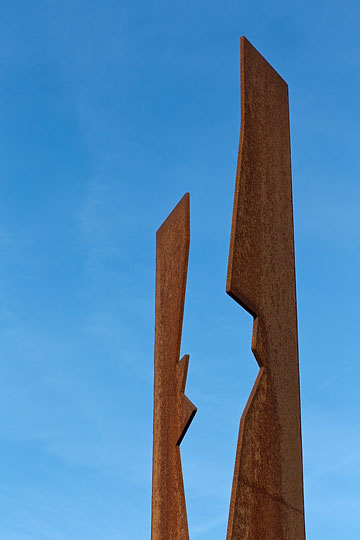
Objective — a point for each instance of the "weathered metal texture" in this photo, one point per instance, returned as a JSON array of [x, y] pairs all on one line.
[[173, 411], [267, 494]]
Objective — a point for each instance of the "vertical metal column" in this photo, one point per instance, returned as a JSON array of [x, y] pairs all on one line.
[[267, 494], [173, 412]]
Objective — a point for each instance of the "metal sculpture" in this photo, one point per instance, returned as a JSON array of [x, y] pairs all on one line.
[[267, 493], [173, 411]]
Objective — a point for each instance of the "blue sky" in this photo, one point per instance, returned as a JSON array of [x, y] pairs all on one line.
[[110, 111]]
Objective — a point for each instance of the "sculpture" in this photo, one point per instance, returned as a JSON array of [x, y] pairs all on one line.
[[267, 494], [173, 412]]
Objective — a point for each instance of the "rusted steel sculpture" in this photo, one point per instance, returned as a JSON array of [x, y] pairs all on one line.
[[267, 494], [173, 411]]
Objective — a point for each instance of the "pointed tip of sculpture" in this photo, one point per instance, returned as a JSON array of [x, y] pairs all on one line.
[[247, 46], [188, 412], [182, 207]]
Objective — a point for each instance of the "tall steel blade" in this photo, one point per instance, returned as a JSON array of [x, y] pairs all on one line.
[[173, 412], [267, 494]]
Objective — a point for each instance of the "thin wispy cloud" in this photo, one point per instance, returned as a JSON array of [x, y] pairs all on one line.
[[110, 112]]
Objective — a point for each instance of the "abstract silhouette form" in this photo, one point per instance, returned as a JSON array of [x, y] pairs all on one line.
[[173, 412], [267, 494]]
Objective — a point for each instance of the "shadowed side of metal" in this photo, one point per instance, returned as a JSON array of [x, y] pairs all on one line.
[[267, 494], [173, 412]]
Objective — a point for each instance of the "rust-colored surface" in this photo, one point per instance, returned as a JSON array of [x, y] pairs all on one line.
[[267, 494], [173, 412]]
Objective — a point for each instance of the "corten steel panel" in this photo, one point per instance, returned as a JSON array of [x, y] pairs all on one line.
[[173, 412], [267, 494]]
